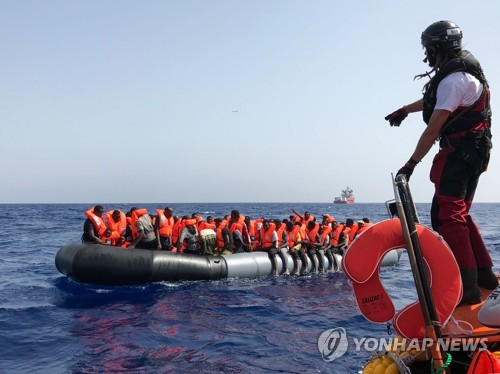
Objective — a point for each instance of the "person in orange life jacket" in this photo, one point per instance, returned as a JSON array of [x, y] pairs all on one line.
[[361, 228], [93, 225], [338, 237], [163, 226], [325, 244], [239, 233], [130, 230], [269, 243], [303, 219], [189, 236], [282, 244], [353, 229], [310, 241], [251, 229], [116, 218], [363, 225], [367, 222], [106, 237], [456, 109], [295, 245], [146, 234], [327, 219], [208, 224], [345, 235]]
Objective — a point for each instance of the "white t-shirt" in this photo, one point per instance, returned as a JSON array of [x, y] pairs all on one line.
[[458, 89]]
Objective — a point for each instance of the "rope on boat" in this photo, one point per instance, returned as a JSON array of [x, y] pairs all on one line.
[[443, 367]]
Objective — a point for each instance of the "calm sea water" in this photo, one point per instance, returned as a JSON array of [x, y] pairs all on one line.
[[50, 324]]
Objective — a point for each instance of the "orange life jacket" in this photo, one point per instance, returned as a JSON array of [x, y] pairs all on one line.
[[328, 218], [336, 234], [325, 233], [293, 236], [175, 231], [205, 225], [303, 220], [352, 233], [279, 231], [119, 226], [111, 239], [311, 234], [266, 237], [98, 222], [363, 228], [219, 238], [484, 362], [251, 228], [165, 224], [136, 214], [237, 225], [182, 225]]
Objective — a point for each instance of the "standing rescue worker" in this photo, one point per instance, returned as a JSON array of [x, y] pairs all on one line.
[[456, 109]]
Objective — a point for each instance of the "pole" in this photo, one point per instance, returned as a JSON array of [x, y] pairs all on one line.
[[408, 216]]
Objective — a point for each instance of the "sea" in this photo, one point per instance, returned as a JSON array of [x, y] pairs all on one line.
[[51, 324]]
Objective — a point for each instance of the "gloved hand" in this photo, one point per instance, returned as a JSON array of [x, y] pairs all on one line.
[[395, 118], [407, 169]]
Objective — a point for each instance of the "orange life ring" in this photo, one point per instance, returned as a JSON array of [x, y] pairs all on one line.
[[361, 264]]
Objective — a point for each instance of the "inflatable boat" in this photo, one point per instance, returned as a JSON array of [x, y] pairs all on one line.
[[107, 265]]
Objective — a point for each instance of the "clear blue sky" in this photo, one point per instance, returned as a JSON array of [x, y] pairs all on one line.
[[220, 101]]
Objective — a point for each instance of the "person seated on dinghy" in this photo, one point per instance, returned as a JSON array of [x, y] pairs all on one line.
[[189, 241], [327, 219], [310, 241], [350, 230], [145, 231], [295, 245], [94, 226], [325, 244], [239, 232], [116, 221], [209, 223], [251, 230], [363, 225], [164, 225], [223, 242], [282, 244], [307, 217], [338, 237], [269, 243]]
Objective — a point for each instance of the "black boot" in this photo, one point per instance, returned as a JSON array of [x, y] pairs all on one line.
[[471, 291], [487, 279]]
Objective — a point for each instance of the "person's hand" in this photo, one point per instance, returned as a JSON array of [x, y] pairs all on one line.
[[395, 118], [407, 169]]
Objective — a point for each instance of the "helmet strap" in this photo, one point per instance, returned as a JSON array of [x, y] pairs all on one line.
[[431, 56]]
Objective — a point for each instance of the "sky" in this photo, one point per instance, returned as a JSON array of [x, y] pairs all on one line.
[[221, 100]]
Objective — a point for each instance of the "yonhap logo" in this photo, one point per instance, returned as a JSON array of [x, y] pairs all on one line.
[[332, 344]]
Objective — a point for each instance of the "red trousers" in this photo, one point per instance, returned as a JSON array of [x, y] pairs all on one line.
[[455, 174]]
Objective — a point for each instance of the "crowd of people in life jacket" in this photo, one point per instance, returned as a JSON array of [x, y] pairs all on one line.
[[300, 235]]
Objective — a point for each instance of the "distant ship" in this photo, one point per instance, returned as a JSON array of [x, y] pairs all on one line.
[[346, 197]]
